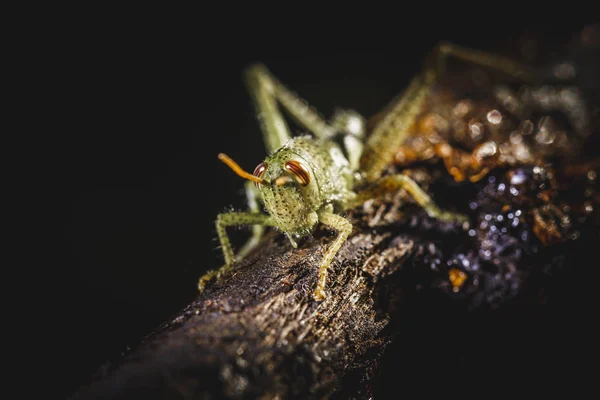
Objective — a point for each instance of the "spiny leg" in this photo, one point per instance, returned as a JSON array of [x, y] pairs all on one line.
[[391, 131], [435, 65], [266, 90], [344, 227], [253, 196], [393, 183], [223, 221]]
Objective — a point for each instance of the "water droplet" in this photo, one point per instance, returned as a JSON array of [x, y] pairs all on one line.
[[494, 117], [524, 236], [515, 137], [526, 127], [518, 177], [545, 137], [475, 130], [486, 151], [419, 144], [522, 152], [588, 207], [462, 108], [547, 130]]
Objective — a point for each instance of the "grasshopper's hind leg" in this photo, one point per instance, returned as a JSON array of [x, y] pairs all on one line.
[[399, 181], [266, 92], [391, 131], [223, 221]]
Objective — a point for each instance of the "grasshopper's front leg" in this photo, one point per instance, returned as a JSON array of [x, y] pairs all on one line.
[[223, 221], [344, 227], [253, 197]]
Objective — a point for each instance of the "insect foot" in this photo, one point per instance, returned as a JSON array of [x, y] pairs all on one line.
[[319, 294], [204, 280], [210, 275]]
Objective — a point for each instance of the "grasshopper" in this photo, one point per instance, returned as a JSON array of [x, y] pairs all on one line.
[[311, 179]]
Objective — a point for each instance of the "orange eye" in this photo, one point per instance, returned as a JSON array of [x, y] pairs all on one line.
[[299, 171], [259, 171]]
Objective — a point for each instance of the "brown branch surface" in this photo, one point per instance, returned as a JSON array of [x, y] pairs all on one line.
[[258, 333]]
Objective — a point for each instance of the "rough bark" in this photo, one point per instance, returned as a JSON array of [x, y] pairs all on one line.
[[259, 333]]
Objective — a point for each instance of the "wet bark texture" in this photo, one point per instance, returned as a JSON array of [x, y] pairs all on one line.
[[259, 334]]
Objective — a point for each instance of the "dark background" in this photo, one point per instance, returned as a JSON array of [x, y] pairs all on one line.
[[129, 182]]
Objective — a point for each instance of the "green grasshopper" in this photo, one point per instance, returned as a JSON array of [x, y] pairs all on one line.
[[311, 179]]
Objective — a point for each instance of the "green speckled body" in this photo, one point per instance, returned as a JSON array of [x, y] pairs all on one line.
[[294, 207]]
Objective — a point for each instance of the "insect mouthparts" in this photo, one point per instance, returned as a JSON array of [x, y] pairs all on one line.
[[282, 180]]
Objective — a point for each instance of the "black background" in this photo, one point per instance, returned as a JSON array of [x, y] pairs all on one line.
[[127, 183]]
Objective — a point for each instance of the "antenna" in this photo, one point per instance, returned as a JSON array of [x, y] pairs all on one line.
[[238, 170]]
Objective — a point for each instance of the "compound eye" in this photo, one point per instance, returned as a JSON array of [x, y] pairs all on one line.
[[259, 171], [299, 172]]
